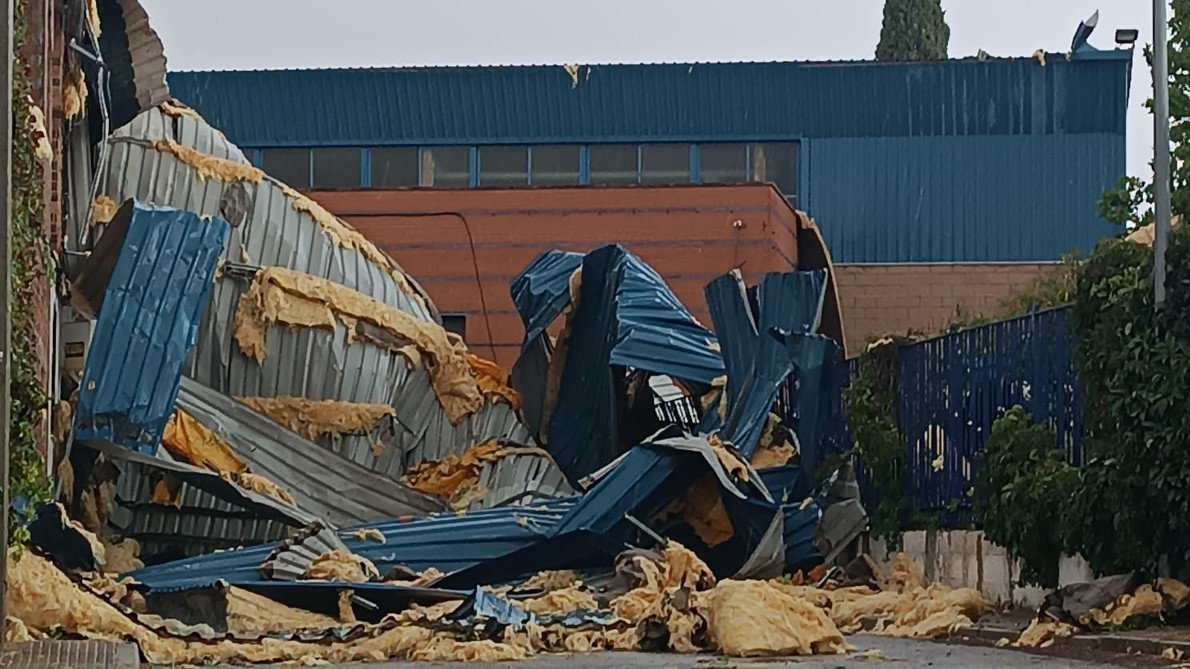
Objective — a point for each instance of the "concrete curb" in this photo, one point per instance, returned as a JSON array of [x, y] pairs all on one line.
[[1121, 643]]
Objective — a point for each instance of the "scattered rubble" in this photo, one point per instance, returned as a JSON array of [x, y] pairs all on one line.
[[1124, 601], [395, 496]]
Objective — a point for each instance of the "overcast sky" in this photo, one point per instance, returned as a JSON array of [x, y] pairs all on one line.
[[270, 34]]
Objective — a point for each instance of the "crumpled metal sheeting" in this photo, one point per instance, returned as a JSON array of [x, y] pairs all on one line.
[[274, 232], [135, 58], [153, 283], [764, 342], [653, 330], [202, 523], [446, 541], [583, 429], [542, 290], [290, 560], [521, 480], [792, 301], [322, 482], [425, 432]]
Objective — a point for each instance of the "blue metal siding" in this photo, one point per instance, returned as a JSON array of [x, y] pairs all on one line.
[[669, 102], [959, 199], [952, 161], [147, 325]]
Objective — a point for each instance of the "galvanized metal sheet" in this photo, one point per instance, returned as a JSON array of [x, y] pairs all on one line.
[[329, 486], [315, 364]]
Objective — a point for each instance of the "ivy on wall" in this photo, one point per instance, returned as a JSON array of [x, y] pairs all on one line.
[[30, 265]]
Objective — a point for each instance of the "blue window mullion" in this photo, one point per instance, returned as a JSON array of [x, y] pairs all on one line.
[[584, 165], [638, 163], [365, 168], [695, 167], [310, 167], [473, 161]]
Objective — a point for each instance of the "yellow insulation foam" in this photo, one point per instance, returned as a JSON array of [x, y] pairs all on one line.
[[313, 418], [754, 618], [281, 295], [550, 580], [190, 441], [74, 95], [341, 565], [103, 210], [1041, 633], [208, 166], [455, 478], [250, 613], [177, 110], [564, 600], [259, 484]]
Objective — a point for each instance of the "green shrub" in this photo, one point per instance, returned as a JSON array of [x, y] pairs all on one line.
[[1023, 488], [1133, 511], [870, 411]]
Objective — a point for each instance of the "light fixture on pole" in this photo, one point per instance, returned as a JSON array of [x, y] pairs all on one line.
[[1161, 184]]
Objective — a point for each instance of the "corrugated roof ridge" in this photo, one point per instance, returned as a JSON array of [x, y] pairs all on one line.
[[496, 66]]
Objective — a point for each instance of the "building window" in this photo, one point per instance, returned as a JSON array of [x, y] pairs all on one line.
[[722, 163], [503, 166], [555, 165], [336, 168], [776, 163], [665, 164], [394, 167], [456, 323], [446, 166], [291, 166], [612, 164]]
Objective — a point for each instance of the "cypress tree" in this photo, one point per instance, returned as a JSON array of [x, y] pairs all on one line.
[[913, 30]]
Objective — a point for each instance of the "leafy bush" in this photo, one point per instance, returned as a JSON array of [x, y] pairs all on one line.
[[1133, 511], [870, 411], [1024, 486]]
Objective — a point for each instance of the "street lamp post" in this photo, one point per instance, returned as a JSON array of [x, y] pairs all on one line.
[[1161, 177]]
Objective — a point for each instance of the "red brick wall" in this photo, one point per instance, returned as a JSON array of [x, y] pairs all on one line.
[[895, 299], [689, 234]]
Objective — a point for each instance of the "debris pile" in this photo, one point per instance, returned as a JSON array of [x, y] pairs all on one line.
[[1124, 601], [296, 461]]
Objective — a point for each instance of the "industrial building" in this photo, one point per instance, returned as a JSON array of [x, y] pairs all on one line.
[[936, 185]]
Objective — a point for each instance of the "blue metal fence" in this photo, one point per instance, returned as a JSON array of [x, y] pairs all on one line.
[[951, 388]]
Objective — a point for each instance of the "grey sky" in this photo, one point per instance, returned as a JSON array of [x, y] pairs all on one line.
[[270, 34]]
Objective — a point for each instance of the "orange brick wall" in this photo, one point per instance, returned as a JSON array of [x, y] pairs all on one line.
[[896, 299]]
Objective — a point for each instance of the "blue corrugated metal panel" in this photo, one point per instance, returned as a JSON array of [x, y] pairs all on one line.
[[959, 199], [542, 290], [147, 325], [448, 542], [626, 317], [673, 101]]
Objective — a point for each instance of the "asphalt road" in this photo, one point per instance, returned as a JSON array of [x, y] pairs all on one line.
[[897, 653]]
